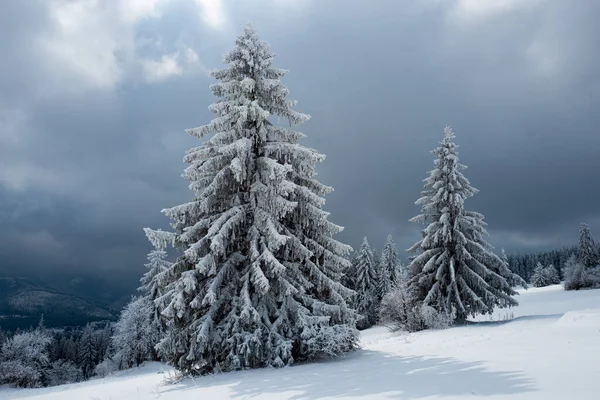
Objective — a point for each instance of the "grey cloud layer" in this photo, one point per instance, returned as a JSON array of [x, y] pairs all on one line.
[[520, 86]]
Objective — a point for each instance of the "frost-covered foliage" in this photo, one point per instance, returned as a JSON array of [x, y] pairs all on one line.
[[24, 359], [365, 284], [62, 372], [389, 268], [107, 367], [579, 277], [538, 279], [455, 270], [434, 319], [544, 276], [524, 264], [157, 267], [258, 283], [154, 280], [587, 251], [136, 334], [3, 337], [552, 275], [400, 310]]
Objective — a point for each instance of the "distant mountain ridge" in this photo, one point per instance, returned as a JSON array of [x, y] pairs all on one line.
[[23, 300]]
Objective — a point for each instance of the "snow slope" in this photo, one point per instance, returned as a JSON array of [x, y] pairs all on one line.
[[551, 350]]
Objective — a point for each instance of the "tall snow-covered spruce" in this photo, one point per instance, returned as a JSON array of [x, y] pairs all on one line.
[[258, 283], [455, 270]]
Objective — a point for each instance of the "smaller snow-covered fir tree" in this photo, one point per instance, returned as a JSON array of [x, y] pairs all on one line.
[[365, 280], [587, 253], [579, 277], [63, 372], [136, 334], [455, 270], [389, 267]]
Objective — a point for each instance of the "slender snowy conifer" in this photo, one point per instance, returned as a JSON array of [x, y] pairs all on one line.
[[587, 252], [455, 270], [388, 268], [365, 284], [258, 283]]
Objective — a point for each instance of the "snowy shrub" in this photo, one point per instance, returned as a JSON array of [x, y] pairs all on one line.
[[551, 275], [544, 276], [106, 368], [434, 319], [24, 359], [579, 277], [332, 341], [574, 273], [62, 372], [398, 312]]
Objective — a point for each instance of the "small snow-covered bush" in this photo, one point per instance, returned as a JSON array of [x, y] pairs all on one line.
[[398, 312], [332, 341], [544, 276], [62, 372], [24, 359], [579, 277], [105, 368], [434, 319]]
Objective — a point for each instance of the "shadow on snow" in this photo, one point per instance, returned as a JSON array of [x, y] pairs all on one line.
[[516, 319], [369, 373]]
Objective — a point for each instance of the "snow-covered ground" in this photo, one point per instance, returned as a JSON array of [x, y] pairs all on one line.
[[550, 350]]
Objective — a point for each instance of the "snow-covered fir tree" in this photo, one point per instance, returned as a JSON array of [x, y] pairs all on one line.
[[455, 270], [366, 279], [389, 268], [258, 283], [136, 334], [587, 251]]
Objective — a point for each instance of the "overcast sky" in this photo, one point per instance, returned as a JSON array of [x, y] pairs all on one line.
[[95, 95]]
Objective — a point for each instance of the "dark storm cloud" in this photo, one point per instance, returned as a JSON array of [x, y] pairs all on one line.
[[89, 156]]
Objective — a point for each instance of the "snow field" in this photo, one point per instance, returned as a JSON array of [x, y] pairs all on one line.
[[550, 350]]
